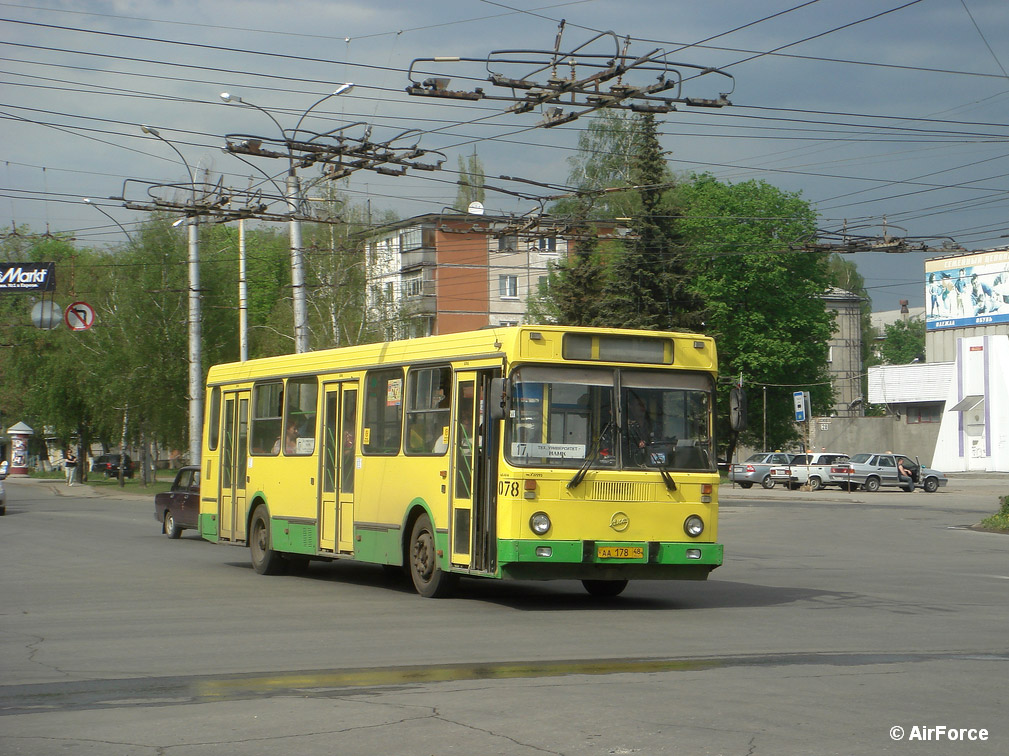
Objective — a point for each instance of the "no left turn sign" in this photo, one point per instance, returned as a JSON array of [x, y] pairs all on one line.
[[79, 316]]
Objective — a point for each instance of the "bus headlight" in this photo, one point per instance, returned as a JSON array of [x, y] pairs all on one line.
[[539, 523], [693, 526]]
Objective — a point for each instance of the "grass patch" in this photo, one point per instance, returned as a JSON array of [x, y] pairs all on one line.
[[999, 520], [163, 482]]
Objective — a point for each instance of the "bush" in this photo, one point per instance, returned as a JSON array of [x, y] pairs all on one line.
[[999, 520]]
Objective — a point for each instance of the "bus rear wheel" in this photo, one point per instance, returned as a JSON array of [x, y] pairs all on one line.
[[265, 560], [604, 588], [430, 580]]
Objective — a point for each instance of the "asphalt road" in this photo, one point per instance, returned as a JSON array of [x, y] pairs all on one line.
[[835, 618]]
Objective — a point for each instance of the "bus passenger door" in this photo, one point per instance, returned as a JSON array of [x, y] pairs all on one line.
[[234, 466], [336, 496], [474, 468]]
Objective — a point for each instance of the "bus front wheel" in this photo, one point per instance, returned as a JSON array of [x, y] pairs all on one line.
[[430, 580], [604, 588], [265, 560]]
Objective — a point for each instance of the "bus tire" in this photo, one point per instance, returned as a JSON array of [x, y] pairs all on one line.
[[430, 580], [265, 560], [171, 529], [604, 588]]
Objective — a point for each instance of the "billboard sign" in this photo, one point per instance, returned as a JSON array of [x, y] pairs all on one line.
[[967, 290], [27, 276]]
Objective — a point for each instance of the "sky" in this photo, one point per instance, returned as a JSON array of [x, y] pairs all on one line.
[[888, 116]]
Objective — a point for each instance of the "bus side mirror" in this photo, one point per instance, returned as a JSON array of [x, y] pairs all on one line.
[[498, 399], [737, 408]]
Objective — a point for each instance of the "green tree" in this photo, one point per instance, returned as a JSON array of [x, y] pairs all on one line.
[[903, 342], [573, 291], [604, 160], [471, 181], [763, 304]]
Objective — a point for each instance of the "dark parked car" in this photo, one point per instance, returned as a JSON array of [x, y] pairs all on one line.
[[109, 464], [179, 508]]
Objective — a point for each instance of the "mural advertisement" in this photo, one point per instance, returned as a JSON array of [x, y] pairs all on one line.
[[967, 290]]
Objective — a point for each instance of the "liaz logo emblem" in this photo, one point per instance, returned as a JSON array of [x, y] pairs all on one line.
[[620, 522]]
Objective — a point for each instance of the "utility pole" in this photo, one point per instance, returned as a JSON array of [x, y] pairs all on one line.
[[340, 155], [195, 317]]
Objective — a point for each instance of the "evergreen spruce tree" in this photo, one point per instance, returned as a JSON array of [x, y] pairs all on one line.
[[649, 284]]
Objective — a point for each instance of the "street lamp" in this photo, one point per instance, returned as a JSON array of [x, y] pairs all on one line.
[[195, 316], [293, 195]]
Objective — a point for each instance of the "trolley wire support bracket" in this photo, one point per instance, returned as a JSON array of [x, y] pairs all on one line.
[[566, 85]]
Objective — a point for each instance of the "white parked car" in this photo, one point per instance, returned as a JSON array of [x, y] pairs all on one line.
[[814, 469]]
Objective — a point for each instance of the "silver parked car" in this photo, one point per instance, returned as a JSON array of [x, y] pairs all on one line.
[[870, 471], [765, 468]]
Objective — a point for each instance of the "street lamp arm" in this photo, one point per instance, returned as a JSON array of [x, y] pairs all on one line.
[[155, 133], [230, 98], [87, 201], [342, 89]]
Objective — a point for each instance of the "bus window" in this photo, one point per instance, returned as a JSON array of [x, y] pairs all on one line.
[[267, 411], [427, 410], [561, 417], [299, 434], [383, 412], [667, 420], [214, 430]]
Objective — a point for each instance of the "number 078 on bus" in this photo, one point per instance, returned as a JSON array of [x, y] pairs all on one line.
[[528, 453]]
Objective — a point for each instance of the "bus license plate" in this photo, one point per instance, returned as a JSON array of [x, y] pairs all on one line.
[[620, 552]]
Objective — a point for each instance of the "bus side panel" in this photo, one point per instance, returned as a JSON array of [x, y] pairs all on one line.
[[389, 489]]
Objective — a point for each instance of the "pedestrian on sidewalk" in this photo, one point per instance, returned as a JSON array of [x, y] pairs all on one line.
[[70, 465]]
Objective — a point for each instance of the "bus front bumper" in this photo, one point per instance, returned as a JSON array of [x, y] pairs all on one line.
[[607, 560]]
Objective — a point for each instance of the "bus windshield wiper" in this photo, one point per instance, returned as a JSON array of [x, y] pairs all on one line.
[[590, 458]]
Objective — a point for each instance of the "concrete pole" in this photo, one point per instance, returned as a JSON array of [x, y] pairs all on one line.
[[243, 296], [297, 267], [195, 347]]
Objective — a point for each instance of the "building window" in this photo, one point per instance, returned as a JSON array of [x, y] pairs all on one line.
[[410, 238], [923, 414], [508, 323], [509, 287], [508, 243], [547, 244], [830, 353], [414, 286], [388, 291]]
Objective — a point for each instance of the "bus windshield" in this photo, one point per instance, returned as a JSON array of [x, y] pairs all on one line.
[[614, 418]]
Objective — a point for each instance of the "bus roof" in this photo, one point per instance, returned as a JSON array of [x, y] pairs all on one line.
[[524, 343]]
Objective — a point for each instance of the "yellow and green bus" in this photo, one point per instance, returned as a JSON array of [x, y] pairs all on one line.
[[528, 452]]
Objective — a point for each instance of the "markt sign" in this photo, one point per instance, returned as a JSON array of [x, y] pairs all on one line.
[[26, 276]]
